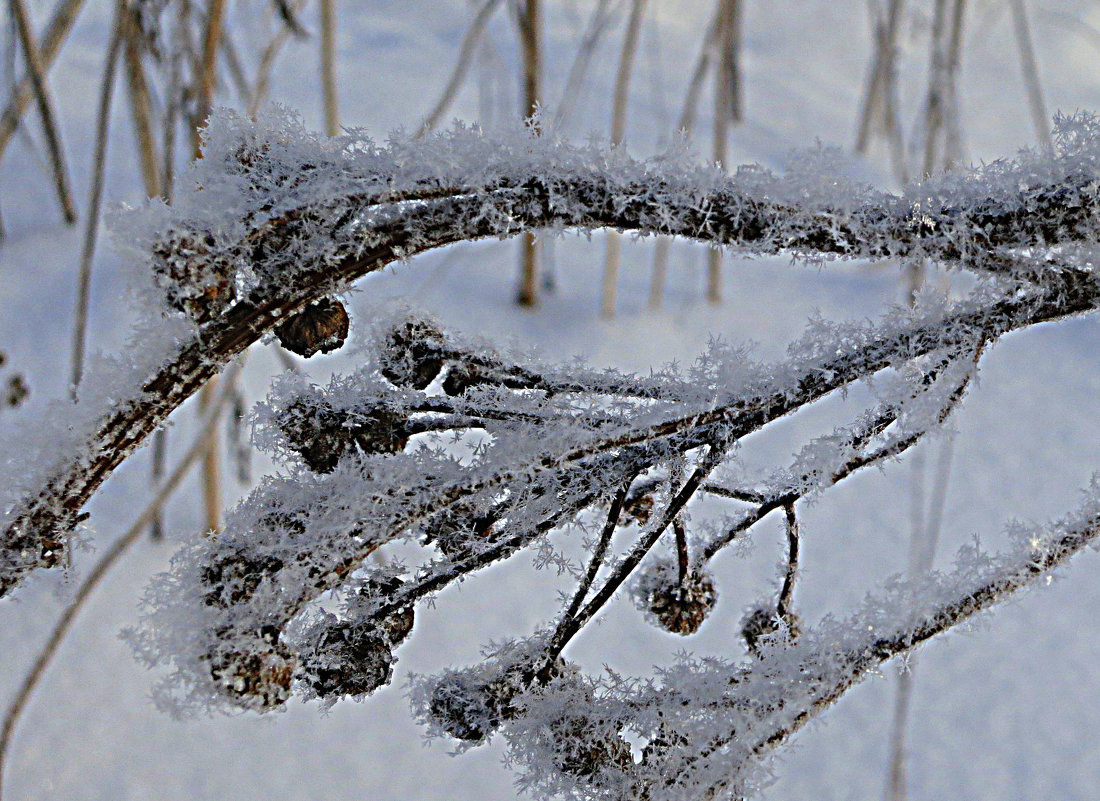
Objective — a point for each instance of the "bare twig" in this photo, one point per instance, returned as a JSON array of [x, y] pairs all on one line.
[[784, 606], [559, 638], [29, 540]]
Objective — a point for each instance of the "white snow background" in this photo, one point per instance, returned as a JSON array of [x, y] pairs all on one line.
[[1004, 710]]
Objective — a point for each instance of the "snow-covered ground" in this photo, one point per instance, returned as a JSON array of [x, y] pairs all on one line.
[[1003, 710]]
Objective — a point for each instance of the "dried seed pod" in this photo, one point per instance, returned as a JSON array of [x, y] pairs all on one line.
[[469, 706], [462, 378], [398, 625], [234, 577], [679, 608], [320, 327], [584, 750], [321, 435], [256, 678], [454, 531], [195, 279], [464, 709], [346, 658], [763, 625], [409, 355], [639, 502]]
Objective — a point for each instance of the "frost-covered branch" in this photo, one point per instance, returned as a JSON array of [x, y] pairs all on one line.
[[277, 219]]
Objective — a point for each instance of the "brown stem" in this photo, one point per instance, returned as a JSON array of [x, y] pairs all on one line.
[[36, 71], [95, 199], [57, 29]]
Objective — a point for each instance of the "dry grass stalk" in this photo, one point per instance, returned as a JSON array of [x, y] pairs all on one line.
[[95, 198], [328, 67], [529, 25], [36, 71], [618, 132], [57, 29]]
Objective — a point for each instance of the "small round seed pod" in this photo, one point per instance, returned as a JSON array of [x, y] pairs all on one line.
[[321, 435], [465, 709], [409, 354], [396, 628], [763, 625], [584, 750], [679, 608], [347, 658], [258, 678], [320, 327]]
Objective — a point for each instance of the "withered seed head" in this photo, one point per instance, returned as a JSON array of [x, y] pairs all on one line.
[[321, 435], [398, 625], [409, 353], [584, 752], [675, 607], [764, 623], [348, 658], [320, 327], [681, 609], [257, 679]]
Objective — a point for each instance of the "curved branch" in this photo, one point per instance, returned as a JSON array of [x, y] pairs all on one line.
[[383, 229]]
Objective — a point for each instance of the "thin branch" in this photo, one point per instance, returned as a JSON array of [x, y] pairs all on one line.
[[30, 540], [786, 594], [560, 636]]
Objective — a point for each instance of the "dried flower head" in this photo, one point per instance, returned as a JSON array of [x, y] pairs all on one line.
[[320, 327], [256, 675], [675, 606], [763, 625], [584, 750], [409, 353], [346, 658], [196, 280], [322, 434]]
